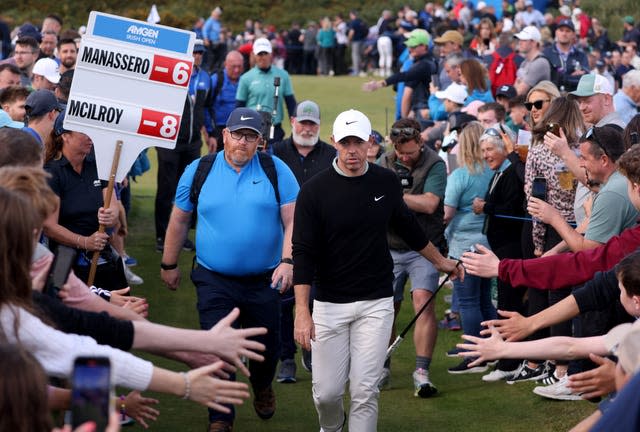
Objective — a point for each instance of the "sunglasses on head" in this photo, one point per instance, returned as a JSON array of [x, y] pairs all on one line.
[[492, 132], [405, 132], [537, 104], [590, 135]]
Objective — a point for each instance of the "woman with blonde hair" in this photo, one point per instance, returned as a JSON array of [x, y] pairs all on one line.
[[464, 230], [538, 100]]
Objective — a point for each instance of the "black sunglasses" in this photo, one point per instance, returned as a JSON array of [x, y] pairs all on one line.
[[538, 104], [590, 135], [406, 132]]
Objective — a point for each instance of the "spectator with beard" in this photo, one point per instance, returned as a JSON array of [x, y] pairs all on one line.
[[68, 54]]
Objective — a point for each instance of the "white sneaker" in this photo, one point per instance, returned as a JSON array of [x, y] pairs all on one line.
[[498, 375], [558, 391], [132, 278], [423, 386], [385, 377]]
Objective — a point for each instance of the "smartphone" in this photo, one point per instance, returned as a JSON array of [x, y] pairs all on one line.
[[539, 188], [60, 269], [91, 394], [554, 128]]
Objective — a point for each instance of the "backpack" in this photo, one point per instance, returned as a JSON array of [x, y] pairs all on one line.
[[219, 84], [204, 167], [502, 71]]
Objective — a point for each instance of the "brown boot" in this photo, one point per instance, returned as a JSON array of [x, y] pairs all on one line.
[[264, 402], [221, 426]]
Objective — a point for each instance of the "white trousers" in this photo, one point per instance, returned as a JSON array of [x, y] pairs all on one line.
[[385, 53], [351, 342]]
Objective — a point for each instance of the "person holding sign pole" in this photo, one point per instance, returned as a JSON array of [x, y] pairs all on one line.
[[74, 178]]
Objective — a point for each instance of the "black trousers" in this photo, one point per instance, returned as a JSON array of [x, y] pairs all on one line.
[[171, 165], [542, 299]]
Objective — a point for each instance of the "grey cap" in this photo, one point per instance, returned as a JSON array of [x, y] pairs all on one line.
[[308, 110]]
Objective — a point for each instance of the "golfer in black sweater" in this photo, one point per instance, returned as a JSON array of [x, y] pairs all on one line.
[[340, 238]]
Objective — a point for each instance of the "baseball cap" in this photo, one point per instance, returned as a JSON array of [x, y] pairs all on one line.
[[198, 46], [417, 37], [529, 33], [455, 92], [507, 91], [29, 30], [377, 137], [565, 10], [591, 84], [244, 118], [629, 19], [48, 68], [624, 342], [41, 102], [308, 110], [262, 45], [566, 23], [7, 121], [58, 128], [450, 36], [351, 123], [528, 3], [472, 108]]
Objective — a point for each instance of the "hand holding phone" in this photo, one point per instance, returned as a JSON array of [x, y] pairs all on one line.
[[60, 269], [539, 188]]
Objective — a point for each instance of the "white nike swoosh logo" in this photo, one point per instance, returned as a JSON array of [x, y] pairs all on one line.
[[243, 118], [376, 199]]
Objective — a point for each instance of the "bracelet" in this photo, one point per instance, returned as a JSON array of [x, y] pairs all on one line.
[[187, 385], [123, 411], [287, 260], [164, 266]]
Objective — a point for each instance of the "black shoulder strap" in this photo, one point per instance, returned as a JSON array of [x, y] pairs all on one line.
[[219, 84], [204, 166], [269, 168], [206, 163]]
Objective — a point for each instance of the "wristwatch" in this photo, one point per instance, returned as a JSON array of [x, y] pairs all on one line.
[[287, 260], [164, 266]]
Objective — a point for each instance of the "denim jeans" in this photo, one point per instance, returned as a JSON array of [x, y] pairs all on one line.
[[474, 297], [259, 306]]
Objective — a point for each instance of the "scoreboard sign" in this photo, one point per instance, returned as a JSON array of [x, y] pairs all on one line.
[[130, 84]]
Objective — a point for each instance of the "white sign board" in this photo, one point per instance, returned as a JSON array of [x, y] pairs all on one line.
[[130, 83]]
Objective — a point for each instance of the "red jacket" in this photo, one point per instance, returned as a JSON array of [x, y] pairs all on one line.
[[568, 269]]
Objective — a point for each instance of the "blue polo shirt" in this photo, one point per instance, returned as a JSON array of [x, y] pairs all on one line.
[[239, 230]]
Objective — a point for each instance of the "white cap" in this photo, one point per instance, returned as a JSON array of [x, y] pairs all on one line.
[[529, 33], [351, 123], [262, 45], [481, 5], [48, 68], [455, 92]]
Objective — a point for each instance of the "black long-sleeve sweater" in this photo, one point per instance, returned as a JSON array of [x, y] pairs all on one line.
[[340, 234]]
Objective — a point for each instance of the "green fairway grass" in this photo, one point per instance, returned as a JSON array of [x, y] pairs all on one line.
[[464, 402]]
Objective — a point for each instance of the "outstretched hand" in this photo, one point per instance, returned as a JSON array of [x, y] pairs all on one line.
[[595, 382], [483, 348], [513, 328], [483, 263], [232, 344], [213, 392]]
